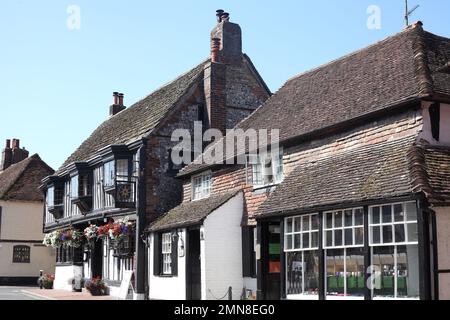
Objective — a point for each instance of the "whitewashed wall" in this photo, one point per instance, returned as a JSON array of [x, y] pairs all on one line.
[[222, 249], [443, 240], [167, 288], [23, 221]]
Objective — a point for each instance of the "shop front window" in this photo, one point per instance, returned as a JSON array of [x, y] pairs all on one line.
[[395, 252]]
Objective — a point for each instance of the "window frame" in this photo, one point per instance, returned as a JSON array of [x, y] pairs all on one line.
[[343, 228], [166, 254], [21, 254], [259, 167], [205, 186], [301, 233], [393, 223]]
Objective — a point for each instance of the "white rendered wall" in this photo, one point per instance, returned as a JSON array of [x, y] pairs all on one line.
[[168, 288], [443, 240], [222, 249], [22, 221]]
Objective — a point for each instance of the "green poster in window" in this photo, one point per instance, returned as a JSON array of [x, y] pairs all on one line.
[[274, 248]]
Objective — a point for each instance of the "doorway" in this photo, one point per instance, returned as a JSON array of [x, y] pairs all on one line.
[[193, 266]]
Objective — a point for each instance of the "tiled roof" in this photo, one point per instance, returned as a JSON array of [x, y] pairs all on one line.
[[191, 213], [136, 121], [401, 68], [431, 173], [371, 172], [21, 181]]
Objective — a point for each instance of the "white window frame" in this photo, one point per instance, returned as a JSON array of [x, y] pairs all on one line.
[[258, 167], [393, 223], [166, 252], [300, 233], [342, 228], [201, 186]]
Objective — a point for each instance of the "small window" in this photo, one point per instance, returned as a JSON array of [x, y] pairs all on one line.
[[201, 186], [344, 228], [435, 119], [108, 174], [267, 169], [21, 254], [301, 233], [74, 187], [166, 251]]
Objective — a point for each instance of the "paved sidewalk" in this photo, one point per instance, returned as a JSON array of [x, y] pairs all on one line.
[[64, 295]]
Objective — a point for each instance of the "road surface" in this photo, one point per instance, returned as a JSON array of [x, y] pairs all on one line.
[[15, 293]]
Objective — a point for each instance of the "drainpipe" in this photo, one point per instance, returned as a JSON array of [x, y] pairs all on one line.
[[141, 266]]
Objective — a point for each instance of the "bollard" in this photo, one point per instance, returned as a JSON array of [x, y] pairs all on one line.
[[230, 293], [41, 273]]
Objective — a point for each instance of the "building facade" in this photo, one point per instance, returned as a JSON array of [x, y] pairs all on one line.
[[353, 202], [22, 254], [122, 177]]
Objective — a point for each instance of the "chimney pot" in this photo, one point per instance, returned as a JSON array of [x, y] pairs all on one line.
[[15, 144], [121, 95], [8, 144], [225, 17], [219, 15], [115, 98]]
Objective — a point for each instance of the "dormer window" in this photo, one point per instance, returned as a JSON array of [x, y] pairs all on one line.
[[201, 186], [267, 169], [54, 199], [118, 180], [81, 187]]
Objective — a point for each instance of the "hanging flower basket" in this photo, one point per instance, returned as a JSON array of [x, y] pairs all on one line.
[[121, 229], [91, 232], [68, 238]]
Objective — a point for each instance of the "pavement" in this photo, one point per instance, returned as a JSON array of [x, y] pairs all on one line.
[[33, 293]]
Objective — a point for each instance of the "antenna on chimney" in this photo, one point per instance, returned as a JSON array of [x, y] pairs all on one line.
[[408, 12]]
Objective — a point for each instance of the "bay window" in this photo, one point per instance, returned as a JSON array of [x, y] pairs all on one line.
[[394, 247], [267, 169], [301, 240], [118, 182], [201, 186], [54, 199]]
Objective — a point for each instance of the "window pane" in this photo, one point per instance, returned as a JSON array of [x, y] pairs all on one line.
[[355, 272], [315, 239], [359, 217], [294, 274], [359, 236], [329, 236], [387, 234], [376, 239], [288, 242], [398, 213], [122, 169], [297, 241], [305, 223], [315, 222], [338, 219], [383, 260], [338, 237], [289, 225], [348, 237], [329, 220], [387, 214], [411, 211], [335, 272], [305, 242], [311, 265], [399, 233], [408, 271], [297, 225], [413, 236], [375, 215], [302, 273], [348, 218]]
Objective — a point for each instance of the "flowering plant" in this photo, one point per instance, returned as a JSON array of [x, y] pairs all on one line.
[[91, 232], [46, 280], [53, 239], [96, 286], [68, 238], [121, 229], [103, 231]]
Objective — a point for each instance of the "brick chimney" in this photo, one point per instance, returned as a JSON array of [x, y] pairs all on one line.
[[226, 51], [12, 154], [117, 105]]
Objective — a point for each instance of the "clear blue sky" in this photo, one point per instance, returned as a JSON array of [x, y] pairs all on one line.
[[56, 84]]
